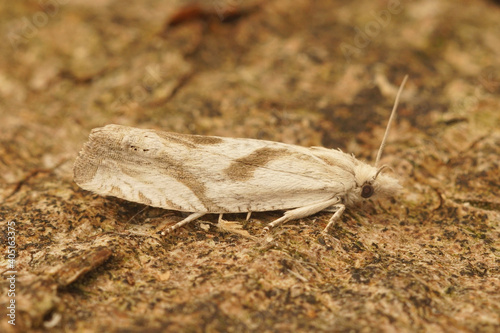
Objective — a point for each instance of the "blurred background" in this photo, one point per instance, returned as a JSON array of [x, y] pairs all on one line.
[[319, 72]]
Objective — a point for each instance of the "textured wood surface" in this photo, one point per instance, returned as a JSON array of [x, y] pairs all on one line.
[[318, 73]]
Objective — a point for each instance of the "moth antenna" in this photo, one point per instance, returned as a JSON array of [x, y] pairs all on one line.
[[382, 168], [393, 112]]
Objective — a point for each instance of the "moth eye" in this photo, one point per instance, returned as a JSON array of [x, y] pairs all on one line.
[[367, 191]]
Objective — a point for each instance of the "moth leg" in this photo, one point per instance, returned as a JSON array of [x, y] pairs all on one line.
[[220, 218], [300, 212], [179, 224], [334, 217], [332, 209], [248, 215]]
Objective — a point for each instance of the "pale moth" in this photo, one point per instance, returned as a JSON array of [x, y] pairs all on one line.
[[209, 174]]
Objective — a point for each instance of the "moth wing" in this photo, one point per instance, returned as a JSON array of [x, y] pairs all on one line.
[[275, 176], [205, 174], [137, 165]]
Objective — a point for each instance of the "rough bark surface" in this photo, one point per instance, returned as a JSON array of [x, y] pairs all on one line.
[[318, 73]]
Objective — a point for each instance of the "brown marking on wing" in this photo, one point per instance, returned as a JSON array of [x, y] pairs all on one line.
[[243, 168], [189, 140], [84, 169], [145, 200], [86, 164], [116, 191], [175, 138], [102, 144], [177, 170], [204, 140]]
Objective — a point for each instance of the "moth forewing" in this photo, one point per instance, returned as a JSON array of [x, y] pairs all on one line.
[[208, 174], [225, 176]]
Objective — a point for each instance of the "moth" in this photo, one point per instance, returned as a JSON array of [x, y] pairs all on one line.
[[218, 175]]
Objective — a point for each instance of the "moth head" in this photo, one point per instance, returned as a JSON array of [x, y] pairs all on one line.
[[372, 183]]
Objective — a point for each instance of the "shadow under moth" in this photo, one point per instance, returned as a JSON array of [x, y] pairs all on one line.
[[217, 175]]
